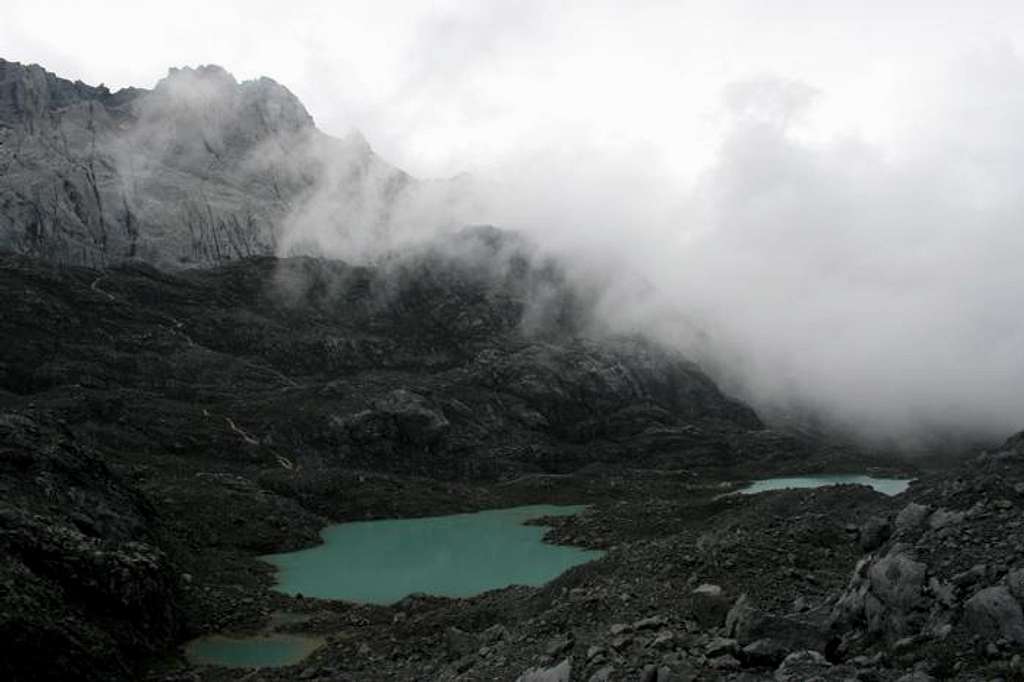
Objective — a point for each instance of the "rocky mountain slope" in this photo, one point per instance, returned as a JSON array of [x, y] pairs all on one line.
[[451, 363], [136, 400], [161, 427], [199, 170]]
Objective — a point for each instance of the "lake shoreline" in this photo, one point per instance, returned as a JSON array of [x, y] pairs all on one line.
[[617, 502]]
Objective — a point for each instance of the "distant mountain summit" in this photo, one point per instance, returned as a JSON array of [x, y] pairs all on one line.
[[201, 169]]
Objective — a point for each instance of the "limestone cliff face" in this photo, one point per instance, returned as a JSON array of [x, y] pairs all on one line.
[[202, 169]]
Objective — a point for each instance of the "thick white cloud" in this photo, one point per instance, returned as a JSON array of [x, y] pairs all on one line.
[[445, 86], [832, 190]]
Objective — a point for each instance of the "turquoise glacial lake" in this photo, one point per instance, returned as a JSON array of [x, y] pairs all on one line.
[[380, 562], [886, 486], [260, 651]]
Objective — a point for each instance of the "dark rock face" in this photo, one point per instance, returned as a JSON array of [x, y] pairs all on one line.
[[84, 591], [588, 391], [874, 533], [353, 365]]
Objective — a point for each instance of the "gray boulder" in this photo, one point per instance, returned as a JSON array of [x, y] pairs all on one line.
[[943, 518], [917, 676], [748, 624], [708, 605], [873, 533], [460, 643], [911, 517], [401, 417], [1015, 581], [415, 419], [765, 652], [559, 673], [801, 666], [994, 613], [885, 595]]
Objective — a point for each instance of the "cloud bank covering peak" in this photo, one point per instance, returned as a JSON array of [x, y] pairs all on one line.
[[821, 202]]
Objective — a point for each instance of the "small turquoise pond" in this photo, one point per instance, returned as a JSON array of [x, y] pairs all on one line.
[[886, 486], [260, 651], [380, 562]]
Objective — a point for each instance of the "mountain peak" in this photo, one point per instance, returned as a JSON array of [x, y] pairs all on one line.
[[202, 168], [211, 90], [28, 91], [203, 71]]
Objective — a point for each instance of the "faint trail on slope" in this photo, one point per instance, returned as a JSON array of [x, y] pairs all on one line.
[[281, 459], [245, 436], [95, 286]]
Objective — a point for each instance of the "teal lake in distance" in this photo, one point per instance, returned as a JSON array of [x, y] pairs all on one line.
[[259, 651], [886, 486], [380, 562]]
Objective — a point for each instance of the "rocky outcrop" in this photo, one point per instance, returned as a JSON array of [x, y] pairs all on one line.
[[400, 419], [886, 595], [949, 579]]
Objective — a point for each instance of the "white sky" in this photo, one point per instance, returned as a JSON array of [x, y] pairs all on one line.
[[446, 86]]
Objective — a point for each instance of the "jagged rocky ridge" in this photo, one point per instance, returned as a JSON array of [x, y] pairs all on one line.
[[199, 170], [456, 362]]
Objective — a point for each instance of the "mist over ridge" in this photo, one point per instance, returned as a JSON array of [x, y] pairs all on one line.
[[722, 295], [868, 284], [864, 283], [871, 283]]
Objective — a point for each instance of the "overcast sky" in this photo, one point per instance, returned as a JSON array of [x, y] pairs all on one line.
[[445, 86], [832, 189]]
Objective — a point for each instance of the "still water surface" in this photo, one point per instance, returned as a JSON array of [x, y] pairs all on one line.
[[259, 651], [886, 486], [380, 562]]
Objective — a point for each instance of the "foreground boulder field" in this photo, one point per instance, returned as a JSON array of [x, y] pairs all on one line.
[[162, 427]]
